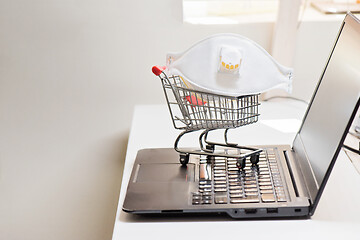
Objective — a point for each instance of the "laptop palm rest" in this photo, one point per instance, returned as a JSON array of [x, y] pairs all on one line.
[[165, 172], [159, 183]]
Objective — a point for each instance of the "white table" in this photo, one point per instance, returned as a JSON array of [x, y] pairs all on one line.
[[337, 215]]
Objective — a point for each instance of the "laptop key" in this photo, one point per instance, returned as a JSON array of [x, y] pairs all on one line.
[[250, 199], [206, 197], [220, 190], [233, 180], [206, 202], [267, 197], [233, 176], [220, 161], [196, 197], [220, 182], [267, 191], [249, 178], [235, 191], [220, 164], [250, 182], [219, 175], [266, 187], [236, 195], [233, 168], [264, 180], [264, 176], [219, 168], [204, 182], [219, 178], [265, 183], [251, 189], [220, 198], [250, 186], [251, 194]]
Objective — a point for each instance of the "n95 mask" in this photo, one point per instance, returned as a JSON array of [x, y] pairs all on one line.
[[229, 64]]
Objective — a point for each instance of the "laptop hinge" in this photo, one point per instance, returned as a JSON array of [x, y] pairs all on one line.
[[292, 177], [306, 171]]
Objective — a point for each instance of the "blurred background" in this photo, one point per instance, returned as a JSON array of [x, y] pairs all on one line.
[[71, 72]]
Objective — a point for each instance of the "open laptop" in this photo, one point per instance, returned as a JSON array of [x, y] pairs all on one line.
[[288, 180]]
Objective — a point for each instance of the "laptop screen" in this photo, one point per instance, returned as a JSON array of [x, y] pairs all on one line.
[[333, 104]]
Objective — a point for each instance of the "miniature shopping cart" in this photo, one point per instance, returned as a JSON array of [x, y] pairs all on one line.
[[192, 110]]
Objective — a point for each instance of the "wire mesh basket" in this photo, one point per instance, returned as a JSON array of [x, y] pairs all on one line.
[[193, 110]]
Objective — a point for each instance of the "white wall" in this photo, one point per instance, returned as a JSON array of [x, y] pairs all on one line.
[[71, 72]]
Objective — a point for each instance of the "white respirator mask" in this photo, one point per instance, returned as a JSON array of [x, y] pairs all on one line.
[[229, 64]]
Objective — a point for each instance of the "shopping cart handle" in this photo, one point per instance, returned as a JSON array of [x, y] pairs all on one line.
[[157, 70]]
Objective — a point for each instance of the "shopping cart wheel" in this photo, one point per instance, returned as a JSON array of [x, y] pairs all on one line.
[[254, 159], [241, 163], [184, 158], [210, 147]]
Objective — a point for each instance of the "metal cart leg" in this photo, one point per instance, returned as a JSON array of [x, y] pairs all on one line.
[[210, 147], [184, 156], [226, 139], [208, 151], [255, 154]]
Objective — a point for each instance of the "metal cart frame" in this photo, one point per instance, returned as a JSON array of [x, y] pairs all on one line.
[[192, 110]]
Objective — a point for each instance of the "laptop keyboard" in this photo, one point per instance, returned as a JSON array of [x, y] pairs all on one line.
[[221, 181]]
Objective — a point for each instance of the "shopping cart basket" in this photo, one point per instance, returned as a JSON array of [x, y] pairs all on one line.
[[192, 110]]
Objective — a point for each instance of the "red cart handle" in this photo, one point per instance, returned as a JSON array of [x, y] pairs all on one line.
[[157, 70]]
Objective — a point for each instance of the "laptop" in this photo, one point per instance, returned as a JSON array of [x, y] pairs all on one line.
[[288, 181]]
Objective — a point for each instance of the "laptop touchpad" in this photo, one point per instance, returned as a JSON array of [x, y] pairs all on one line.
[[165, 172]]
